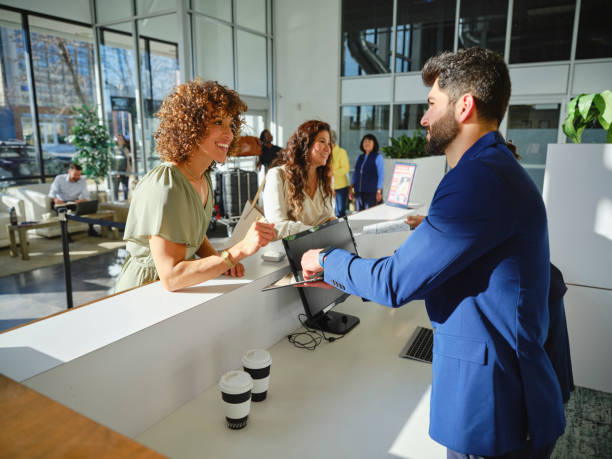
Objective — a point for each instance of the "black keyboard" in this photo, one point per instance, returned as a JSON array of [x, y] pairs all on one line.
[[419, 346]]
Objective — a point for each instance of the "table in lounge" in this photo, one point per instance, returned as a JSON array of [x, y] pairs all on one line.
[[22, 229]]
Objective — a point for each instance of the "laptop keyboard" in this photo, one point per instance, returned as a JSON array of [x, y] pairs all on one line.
[[419, 346]]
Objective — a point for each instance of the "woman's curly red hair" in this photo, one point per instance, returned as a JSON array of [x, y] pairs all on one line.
[[296, 158], [186, 113]]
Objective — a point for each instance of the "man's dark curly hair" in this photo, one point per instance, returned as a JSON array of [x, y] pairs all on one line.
[[296, 158], [186, 113], [476, 71]]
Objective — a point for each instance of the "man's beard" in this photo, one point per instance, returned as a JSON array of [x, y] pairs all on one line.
[[442, 133]]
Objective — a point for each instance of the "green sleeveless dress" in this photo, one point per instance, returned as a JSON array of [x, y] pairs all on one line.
[[164, 204]]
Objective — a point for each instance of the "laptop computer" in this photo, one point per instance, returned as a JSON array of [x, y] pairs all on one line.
[[86, 207]]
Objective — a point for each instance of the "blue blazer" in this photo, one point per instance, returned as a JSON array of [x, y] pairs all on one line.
[[480, 260]]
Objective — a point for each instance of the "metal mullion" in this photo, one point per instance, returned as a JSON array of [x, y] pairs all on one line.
[[185, 42], [570, 80], [233, 23], [393, 47], [97, 64], [457, 13], [508, 31], [43, 15], [138, 88], [234, 45], [25, 28]]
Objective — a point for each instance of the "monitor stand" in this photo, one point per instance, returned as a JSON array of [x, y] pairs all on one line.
[[333, 322]]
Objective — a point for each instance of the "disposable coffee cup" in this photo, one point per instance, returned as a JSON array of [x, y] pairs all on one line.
[[236, 394], [256, 362]]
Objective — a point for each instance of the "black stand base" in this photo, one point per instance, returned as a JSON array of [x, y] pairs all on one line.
[[333, 322]]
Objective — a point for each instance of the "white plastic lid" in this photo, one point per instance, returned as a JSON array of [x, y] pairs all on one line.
[[256, 359], [235, 382]]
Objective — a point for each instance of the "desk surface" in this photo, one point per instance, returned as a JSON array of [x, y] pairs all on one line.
[[354, 398], [36, 426]]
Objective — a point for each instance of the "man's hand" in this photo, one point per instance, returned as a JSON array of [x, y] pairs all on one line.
[[58, 201], [414, 220], [310, 263]]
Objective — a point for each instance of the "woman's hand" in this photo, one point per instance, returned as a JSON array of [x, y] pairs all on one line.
[[259, 235], [236, 271], [378, 195], [414, 220]]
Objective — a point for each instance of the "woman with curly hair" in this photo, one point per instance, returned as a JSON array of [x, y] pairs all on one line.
[[298, 193], [172, 204]]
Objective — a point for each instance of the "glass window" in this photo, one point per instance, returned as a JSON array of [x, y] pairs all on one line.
[[541, 30], [62, 54], [119, 77], [423, 30], [152, 6], [366, 32], [594, 31], [17, 155], [251, 64], [483, 23], [221, 9], [251, 14], [110, 10], [407, 119], [360, 120], [213, 51], [159, 69], [531, 128]]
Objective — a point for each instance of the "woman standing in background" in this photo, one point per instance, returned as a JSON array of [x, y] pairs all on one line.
[[298, 192], [369, 175]]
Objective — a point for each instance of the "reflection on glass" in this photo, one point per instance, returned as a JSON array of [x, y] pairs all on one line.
[[483, 23], [213, 51], [221, 9], [424, 29], [366, 32], [17, 155], [541, 30], [251, 64], [407, 119], [64, 75], [152, 6], [251, 14], [531, 128], [110, 10], [159, 69], [360, 120], [594, 31], [119, 77]]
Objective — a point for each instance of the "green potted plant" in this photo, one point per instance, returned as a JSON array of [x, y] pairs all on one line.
[[585, 111], [404, 147], [93, 143]]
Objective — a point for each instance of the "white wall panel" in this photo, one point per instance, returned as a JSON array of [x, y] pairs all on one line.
[[589, 318], [410, 88], [578, 197], [358, 91], [539, 80], [307, 45], [592, 77]]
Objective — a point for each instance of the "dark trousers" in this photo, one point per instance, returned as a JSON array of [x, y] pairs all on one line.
[[365, 200], [528, 452], [341, 201]]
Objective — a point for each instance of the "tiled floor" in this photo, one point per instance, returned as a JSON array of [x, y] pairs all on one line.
[[41, 292]]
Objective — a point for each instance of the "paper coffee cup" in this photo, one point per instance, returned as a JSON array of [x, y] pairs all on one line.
[[256, 362], [236, 394]]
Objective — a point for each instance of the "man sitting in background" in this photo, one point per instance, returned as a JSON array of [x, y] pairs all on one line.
[[70, 187]]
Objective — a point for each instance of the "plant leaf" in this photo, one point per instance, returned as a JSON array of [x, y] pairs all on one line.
[[584, 104]]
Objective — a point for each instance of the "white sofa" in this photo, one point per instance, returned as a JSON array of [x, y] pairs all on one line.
[[37, 205], [6, 202]]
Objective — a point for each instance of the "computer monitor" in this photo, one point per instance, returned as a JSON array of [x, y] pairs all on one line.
[[318, 302]]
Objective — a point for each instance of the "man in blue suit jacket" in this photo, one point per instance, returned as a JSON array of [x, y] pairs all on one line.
[[480, 259]]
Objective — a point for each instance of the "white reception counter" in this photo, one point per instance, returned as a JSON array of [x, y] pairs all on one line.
[[146, 363]]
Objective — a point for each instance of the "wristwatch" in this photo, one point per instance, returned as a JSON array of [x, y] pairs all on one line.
[[227, 259], [323, 253]]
